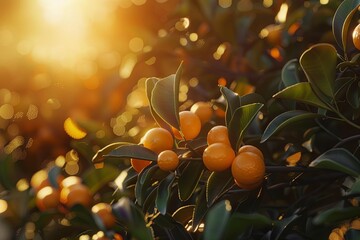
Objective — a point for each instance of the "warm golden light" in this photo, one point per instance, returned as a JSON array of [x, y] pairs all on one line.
[[281, 16], [73, 130], [3, 206]]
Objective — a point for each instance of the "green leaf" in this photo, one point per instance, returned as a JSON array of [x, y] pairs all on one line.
[[282, 225], [7, 171], [216, 220], [355, 188], [353, 95], [138, 227], [319, 65], [173, 229], [335, 215], [184, 214], [340, 20], [338, 159], [81, 216], [99, 156], [240, 121], [95, 179], [301, 92], [149, 86], [240, 222], [163, 193], [200, 209], [347, 22], [143, 182], [165, 98], [189, 179], [352, 234], [133, 151], [232, 103], [217, 184], [290, 73], [285, 119], [84, 149]]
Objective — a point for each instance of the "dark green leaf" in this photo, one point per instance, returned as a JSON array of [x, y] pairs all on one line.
[[319, 65], [138, 227], [126, 177], [84, 149], [173, 229], [99, 156], [133, 151], [338, 159], [232, 103], [285, 119], [143, 182], [149, 202], [189, 179], [200, 209], [184, 214], [218, 183], [165, 98], [163, 193], [347, 22], [353, 95], [290, 73], [352, 234], [240, 121], [355, 188], [335, 215], [341, 14], [95, 179], [216, 220], [81, 216], [149, 85], [239, 223], [301, 92], [282, 226], [7, 171]]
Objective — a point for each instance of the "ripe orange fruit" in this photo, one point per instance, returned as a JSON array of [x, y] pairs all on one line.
[[203, 110], [218, 134], [47, 198], [356, 37], [69, 181], [190, 125], [248, 169], [104, 212], [76, 194], [139, 164], [168, 160], [251, 148], [218, 156], [158, 139]]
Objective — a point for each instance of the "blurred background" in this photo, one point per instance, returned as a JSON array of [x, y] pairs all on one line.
[[72, 72]]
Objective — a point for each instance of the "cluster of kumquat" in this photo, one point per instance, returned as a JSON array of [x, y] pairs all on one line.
[[339, 232], [66, 193], [247, 165]]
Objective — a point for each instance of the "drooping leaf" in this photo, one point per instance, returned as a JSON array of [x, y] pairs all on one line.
[[148, 204], [335, 215], [133, 151], [339, 20], [282, 225], [95, 179], [184, 214], [163, 193], [239, 223], [240, 121], [143, 182], [217, 184], [138, 227], [285, 119], [214, 227], [338, 159], [290, 73], [200, 209], [189, 179], [173, 229], [319, 65], [149, 86], [301, 92], [165, 98], [232, 103], [99, 156]]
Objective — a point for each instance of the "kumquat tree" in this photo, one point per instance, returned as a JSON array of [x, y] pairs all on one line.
[[241, 120]]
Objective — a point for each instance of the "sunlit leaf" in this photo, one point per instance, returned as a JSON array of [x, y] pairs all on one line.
[[217, 184], [163, 193], [232, 102], [285, 119], [214, 227], [319, 65], [99, 156], [189, 179], [133, 151], [290, 73], [301, 92], [240, 121], [149, 85], [165, 98], [95, 179], [338, 159]]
